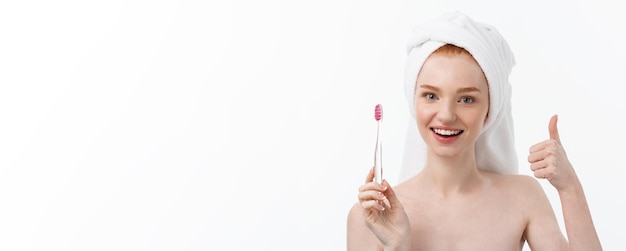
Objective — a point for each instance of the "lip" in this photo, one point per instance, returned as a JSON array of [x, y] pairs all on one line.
[[445, 139]]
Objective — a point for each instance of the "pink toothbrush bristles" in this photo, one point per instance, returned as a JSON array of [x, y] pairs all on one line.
[[378, 112]]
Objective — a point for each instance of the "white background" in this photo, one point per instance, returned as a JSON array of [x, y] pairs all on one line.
[[248, 125]]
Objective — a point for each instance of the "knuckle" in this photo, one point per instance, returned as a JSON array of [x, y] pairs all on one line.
[[553, 172], [360, 196], [553, 163], [362, 188]]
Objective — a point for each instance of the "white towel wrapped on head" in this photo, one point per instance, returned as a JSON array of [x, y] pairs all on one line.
[[495, 147]]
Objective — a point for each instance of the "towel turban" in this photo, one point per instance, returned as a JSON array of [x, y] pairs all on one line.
[[495, 147]]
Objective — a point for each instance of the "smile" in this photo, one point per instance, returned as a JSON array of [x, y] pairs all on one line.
[[446, 133]]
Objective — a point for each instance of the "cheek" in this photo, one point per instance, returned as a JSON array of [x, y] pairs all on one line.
[[423, 115], [422, 121], [486, 113], [482, 115]]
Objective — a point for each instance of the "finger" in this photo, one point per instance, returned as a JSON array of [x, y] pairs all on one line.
[[394, 202], [554, 131], [371, 186], [539, 174], [539, 146], [544, 173], [537, 156], [371, 195], [538, 165], [370, 176], [372, 204]]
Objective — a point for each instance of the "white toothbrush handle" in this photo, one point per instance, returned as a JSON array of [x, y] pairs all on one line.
[[378, 156]]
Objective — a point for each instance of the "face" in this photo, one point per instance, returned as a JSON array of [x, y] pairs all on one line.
[[451, 102]]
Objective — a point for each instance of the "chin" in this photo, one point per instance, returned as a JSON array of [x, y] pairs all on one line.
[[446, 152]]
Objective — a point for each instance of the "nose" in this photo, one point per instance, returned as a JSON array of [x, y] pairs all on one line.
[[447, 112]]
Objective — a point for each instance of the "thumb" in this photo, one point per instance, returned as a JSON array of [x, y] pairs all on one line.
[[394, 203], [554, 131]]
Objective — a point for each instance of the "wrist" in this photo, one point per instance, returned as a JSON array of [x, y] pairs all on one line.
[[404, 244], [398, 247], [573, 188]]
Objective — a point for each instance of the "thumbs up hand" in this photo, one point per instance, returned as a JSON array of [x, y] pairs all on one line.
[[549, 161]]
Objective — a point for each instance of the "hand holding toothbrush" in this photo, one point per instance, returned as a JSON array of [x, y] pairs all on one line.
[[383, 212]]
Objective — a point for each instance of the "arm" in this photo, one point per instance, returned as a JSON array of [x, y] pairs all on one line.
[[542, 231], [549, 161], [578, 222]]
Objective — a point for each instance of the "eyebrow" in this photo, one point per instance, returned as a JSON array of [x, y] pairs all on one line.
[[460, 90]]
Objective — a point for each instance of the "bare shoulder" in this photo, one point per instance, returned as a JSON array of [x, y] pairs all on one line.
[[517, 183], [522, 190], [355, 216], [528, 195], [360, 237]]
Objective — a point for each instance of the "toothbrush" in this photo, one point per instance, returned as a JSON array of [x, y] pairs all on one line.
[[378, 155]]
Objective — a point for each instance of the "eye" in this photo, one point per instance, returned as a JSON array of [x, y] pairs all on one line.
[[429, 95], [467, 100]]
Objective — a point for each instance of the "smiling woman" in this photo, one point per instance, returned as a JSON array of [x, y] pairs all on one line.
[[247, 125], [458, 89], [451, 87]]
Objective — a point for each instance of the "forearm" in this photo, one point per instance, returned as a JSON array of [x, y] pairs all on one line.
[[581, 232]]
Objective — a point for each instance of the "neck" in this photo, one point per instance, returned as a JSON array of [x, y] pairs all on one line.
[[451, 175]]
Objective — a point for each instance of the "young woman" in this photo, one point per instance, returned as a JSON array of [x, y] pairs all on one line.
[[466, 197]]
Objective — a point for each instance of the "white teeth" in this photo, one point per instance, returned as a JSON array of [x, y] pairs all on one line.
[[446, 132]]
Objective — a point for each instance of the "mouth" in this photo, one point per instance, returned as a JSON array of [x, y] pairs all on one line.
[[446, 133]]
